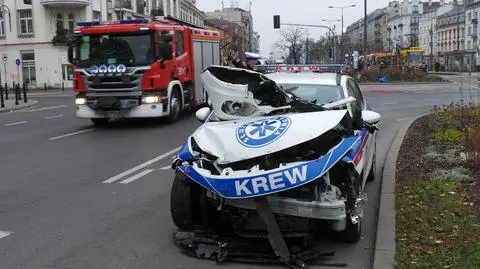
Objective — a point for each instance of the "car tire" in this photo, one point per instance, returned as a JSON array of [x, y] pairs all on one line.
[[371, 175], [175, 106], [183, 202], [353, 231], [100, 121]]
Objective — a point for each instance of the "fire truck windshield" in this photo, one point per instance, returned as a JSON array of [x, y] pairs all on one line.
[[130, 49]]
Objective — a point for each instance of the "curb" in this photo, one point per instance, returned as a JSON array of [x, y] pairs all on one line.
[[20, 106], [385, 245], [403, 83]]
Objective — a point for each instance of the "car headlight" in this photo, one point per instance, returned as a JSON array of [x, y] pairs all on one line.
[[80, 101], [151, 99]]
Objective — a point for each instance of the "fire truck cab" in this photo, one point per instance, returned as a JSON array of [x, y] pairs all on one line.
[[140, 68]]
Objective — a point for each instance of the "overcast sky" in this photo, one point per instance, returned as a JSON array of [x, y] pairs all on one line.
[[295, 11]]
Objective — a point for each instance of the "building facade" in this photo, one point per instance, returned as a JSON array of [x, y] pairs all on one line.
[[403, 23], [376, 33], [428, 40], [241, 17], [453, 52], [38, 30]]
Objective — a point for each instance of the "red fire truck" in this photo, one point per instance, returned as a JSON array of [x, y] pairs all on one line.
[[140, 68]]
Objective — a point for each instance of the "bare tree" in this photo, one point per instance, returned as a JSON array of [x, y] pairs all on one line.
[[292, 40]]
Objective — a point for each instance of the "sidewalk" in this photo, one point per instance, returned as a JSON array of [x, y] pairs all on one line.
[[10, 105]]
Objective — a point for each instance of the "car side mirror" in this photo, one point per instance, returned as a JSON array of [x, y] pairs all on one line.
[[202, 114], [371, 117]]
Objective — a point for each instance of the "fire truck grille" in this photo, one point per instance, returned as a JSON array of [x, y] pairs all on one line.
[[126, 85]]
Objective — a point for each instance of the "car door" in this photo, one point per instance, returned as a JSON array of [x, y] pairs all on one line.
[[368, 139]]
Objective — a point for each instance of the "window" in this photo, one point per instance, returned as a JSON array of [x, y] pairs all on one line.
[[180, 50], [25, 20], [67, 72], [109, 17], [356, 107], [28, 67], [96, 15], [59, 23], [2, 25], [320, 94], [469, 16], [131, 49], [71, 22]]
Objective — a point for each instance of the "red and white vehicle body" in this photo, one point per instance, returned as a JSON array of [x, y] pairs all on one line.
[[140, 68]]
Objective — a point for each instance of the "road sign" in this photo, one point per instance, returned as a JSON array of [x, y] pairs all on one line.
[[4, 57], [17, 61]]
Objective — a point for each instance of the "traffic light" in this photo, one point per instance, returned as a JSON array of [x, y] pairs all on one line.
[[276, 21]]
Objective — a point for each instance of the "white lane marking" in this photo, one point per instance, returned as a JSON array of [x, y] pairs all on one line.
[[141, 166], [15, 123], [165, 167], [137, 176], [174, 156], [46, 108], [70, 134], [390, 103], [52, 117], [4, 234]]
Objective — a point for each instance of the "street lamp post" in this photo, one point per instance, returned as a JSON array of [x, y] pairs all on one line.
[[330, 25], [341, 8]]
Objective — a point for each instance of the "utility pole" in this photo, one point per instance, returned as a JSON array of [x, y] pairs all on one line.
[[365, 28], [341, 43], [306, 50], [431, 48]]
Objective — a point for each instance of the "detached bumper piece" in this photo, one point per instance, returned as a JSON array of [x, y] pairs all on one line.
[[230, 247]]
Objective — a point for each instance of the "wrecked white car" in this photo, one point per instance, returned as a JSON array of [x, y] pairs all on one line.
[[267, 163]]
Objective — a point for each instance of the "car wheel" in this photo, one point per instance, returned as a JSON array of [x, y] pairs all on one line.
[[371, 175], [175, 106], [183, 202], [100, 121], [353, 231]]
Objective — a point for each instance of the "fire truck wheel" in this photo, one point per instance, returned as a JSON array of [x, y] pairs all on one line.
[[100, 121], [175, 106]]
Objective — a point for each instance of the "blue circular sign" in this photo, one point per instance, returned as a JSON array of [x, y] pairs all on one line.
[[17, 61], [262, 132], [102, 68], [121, 68], [94, 69]]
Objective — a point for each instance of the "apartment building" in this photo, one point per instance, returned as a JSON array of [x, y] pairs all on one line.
[[36, 38]]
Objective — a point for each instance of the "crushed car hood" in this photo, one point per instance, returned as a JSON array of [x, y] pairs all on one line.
[[237, 140]]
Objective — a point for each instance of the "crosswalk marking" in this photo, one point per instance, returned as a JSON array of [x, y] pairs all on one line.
[[137, 176], [141, 166], [4, 234]]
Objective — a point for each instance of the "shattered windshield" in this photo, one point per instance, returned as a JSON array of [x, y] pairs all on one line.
[[130, 49], [318, 94]]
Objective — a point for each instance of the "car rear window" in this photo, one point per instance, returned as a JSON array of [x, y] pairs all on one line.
[[320, 94]]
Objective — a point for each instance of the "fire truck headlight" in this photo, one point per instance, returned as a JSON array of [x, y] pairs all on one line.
[[151, 99], [80, 101]]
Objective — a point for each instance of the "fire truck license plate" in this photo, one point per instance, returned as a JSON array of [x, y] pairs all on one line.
[[112, 115]]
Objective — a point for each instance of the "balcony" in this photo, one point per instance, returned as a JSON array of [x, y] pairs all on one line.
[[65, 3]]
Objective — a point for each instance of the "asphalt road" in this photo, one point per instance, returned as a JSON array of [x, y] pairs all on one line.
[[75, 196]]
